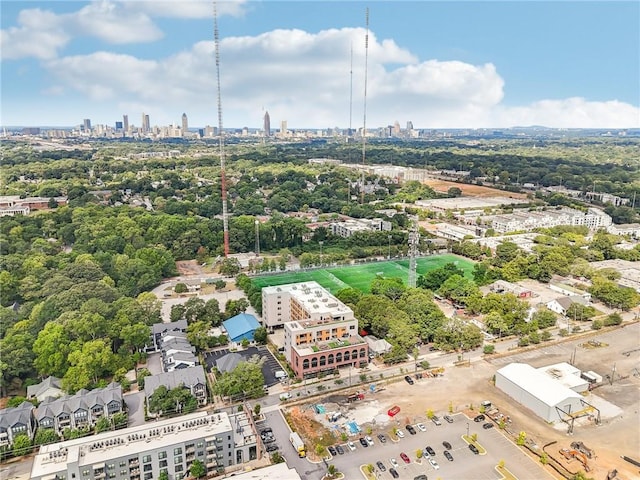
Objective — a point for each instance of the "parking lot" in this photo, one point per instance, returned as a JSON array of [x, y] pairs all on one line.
[[465, 463], [269, 367]]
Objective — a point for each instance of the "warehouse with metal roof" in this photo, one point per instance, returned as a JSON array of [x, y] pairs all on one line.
[[537, 391]]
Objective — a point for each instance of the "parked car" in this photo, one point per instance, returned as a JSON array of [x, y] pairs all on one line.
[[393, 473], [436, 420], [446, 445], [479, 418], [369, 440], [409, 380], [363, 442], [487, 425], [474, 449], [420, 477], [332, 451], [405, 457], [381, 466], [272, 448], [400, 433], [266, 430], [393, 462], [339, 449], [382, 438], [448, 456], [430, 451], [434, 464], [351, 445], [411, 430], [448, 419], [421, 427]]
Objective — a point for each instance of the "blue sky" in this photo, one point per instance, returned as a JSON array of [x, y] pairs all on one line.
[[437, 64]]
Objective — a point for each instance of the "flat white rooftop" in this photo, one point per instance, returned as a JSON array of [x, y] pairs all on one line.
[[129, 441], [313, 298], [537, 383]]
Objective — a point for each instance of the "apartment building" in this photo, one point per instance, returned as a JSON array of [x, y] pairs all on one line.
[[526, 221], [15, 421], [218, 440], [350, 227], [320, 332], [83, 409]]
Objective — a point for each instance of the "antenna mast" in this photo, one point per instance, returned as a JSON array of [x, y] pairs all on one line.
[[364, 126], [350, 97], [414, 241], [223, 177]]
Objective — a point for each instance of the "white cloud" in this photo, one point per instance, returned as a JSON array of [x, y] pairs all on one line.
[[40, 34], [110, 22], [304, 78], [187, 8]]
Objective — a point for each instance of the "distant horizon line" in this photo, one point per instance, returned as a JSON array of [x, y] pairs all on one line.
[[195, 129]]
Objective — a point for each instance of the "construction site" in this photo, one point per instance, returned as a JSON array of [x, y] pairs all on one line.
[[593, 429]]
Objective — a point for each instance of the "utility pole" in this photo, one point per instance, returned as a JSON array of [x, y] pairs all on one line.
[[257, 238]]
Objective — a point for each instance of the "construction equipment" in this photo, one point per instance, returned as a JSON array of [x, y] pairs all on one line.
[[581, 447], [571, 454]]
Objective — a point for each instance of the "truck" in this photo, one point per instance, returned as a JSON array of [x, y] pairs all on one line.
[[298, 444]]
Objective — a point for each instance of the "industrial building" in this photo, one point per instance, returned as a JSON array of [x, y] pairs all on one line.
[[217, 440], [539, 392]]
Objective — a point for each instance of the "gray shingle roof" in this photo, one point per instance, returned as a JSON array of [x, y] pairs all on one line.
[[16, 415], [34, 391], [82, 400], [188, 377], [162, 328]]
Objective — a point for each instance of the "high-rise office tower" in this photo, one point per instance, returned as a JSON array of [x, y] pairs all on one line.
[[283, 128], [125, 123], [86, 125], [267, 125], [409, 125], [185, 125], [146, 127]]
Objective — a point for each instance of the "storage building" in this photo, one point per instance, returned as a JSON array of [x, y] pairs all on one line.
[[537, 391]]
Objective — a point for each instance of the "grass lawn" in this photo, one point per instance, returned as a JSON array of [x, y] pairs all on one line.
[[360, 276]]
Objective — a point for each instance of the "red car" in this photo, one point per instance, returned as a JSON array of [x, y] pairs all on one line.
[[404, 457], [393, 411]]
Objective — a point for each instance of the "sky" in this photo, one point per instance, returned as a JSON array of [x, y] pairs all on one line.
[[438, 64]]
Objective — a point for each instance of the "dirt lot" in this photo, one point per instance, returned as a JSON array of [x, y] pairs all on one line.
[[188, 267], [471, 190], [462, 386]]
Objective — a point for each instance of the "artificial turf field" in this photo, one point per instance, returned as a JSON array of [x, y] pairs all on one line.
[[360, 276]]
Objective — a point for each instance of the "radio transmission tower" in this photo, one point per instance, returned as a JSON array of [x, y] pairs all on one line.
[[364, 126], [223, 177], [414, 241]]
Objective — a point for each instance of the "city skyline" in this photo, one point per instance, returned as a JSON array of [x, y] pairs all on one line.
[[435, 64]]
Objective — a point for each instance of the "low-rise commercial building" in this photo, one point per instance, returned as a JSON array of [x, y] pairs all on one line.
[[217, 440]]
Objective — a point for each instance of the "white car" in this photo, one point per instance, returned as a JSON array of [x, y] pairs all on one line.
[[369, 440], [434, 464], [351, 445], [421, 427], [400, 433], [393, 462]]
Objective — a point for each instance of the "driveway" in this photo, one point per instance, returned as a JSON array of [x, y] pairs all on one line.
[[135, 404]]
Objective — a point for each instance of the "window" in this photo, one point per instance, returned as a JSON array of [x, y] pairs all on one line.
[[362, 353], [338, 357], [314, 362], [85, 473], [200, 444], [323, 360], [200, 453], [162, 455], [305, 364], [178, 450], [148, 476], [147, 467], [111, 466], [346, 356], [163, 463], [146, 459], [179, 468], [123, 464], [177, 460], [330, 359]]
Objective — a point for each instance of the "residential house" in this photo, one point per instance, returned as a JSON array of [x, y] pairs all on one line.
[[561, 305], [16, 421], [192, 378], [49, 387], [83, 409]]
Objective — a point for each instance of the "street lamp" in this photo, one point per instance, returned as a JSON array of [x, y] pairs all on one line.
[[467, 429], [389, 254]]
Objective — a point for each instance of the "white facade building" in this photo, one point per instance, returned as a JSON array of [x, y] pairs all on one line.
[[537, 391]]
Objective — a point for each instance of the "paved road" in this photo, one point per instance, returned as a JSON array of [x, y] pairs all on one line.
[[135, 404]]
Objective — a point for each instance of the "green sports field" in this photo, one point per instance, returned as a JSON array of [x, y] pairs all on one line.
[[360, 276]]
